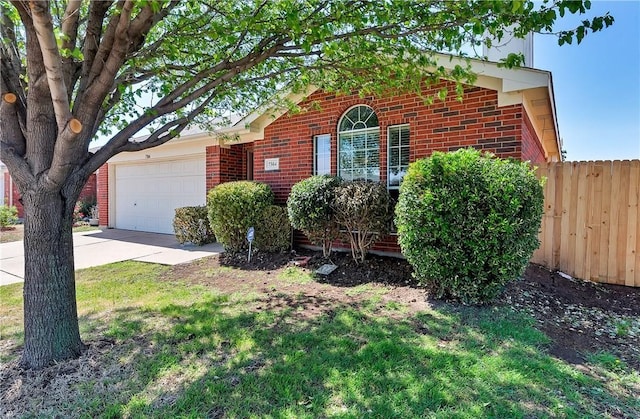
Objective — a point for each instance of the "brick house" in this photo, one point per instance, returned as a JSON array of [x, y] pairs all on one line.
[[510, 112]]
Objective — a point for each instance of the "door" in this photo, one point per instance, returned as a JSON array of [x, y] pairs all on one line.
[[147, 194]]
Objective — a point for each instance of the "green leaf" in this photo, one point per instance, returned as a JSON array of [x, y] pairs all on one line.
[[580, 33]]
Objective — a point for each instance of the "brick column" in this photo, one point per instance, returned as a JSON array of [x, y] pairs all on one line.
[[102, 186], [212, 161]]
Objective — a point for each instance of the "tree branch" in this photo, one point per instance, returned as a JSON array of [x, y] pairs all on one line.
[[245, 62], [11, 64], [91, 42], [114, 98], [126, 37], [12, 141], [43, 25], [65, 154], [144, 21], [160, 136], [70, 23], [104, 45]]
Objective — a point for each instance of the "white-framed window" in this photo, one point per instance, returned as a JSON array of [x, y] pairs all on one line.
[[359, 144], [322, 154], [397, 154]]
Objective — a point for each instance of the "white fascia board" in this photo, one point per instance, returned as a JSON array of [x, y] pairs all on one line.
[[264, 115], [552, 102], [177, 147], [513, 79]]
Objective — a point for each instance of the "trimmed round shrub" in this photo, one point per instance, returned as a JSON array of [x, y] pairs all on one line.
[[468, 223], [310, 210], [233, 207], [191, 224], [273, 232], [363, 212]]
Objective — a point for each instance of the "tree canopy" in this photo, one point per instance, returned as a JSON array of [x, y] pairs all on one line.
[[196, 60]]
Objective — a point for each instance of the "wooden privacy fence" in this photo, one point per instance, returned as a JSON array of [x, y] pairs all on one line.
[[591, 222]]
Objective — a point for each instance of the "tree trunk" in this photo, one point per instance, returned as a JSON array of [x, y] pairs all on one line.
[[50, 313]]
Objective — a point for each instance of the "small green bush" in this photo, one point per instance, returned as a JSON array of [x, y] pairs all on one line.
[[8, 216], [310, 210], [468, 223], [86, 205], [273, 232], [233, 207], [191, 224], [363, 212]]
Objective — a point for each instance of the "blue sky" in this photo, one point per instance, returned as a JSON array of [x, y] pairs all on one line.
[[597, 84]]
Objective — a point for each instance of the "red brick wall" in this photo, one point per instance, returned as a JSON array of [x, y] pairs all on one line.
[[225, 164], [88, 191], [90, 188], [531, 146], [477, 121], [103, 194], [12, 195], [443, 126], [231, 163]]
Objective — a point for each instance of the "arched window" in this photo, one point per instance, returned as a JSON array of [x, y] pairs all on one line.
[[359, 144]]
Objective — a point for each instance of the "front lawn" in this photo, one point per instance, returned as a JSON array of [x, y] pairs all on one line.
[[205, 340]]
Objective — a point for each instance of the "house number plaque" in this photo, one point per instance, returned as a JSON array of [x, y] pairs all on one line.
[[271, 164]]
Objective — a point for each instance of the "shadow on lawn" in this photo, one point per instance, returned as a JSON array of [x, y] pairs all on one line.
[[212, 360]]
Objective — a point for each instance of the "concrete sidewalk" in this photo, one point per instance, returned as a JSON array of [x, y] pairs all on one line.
[[100, 247]]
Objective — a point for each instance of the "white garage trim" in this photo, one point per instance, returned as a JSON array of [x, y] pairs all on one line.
[[146, 193]]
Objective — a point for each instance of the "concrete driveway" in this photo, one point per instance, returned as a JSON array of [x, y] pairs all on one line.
[[99, 247]]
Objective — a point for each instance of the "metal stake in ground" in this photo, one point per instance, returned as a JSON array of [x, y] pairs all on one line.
[[250, 236]]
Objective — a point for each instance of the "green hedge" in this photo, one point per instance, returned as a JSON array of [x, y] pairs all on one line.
[[233, 207], [310, 210], [468, 223], [191, 224], [273, 232]]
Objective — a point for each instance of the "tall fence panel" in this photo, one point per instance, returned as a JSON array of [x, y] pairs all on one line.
[[591, 222]]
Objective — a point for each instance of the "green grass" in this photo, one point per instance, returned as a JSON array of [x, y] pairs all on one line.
[[81, 228], [374, 289], [186, 351], [296, 275]]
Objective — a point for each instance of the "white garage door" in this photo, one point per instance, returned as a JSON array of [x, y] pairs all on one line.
[[147, 194]]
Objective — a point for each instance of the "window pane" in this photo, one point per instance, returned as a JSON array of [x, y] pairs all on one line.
[[404, 157], [398, 155], [359, 144], [394, 177], [322, 154], [346, 161], [373, 158], [358, 141], [404, 136], [394, 157], [393, 136], [373, 140]]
